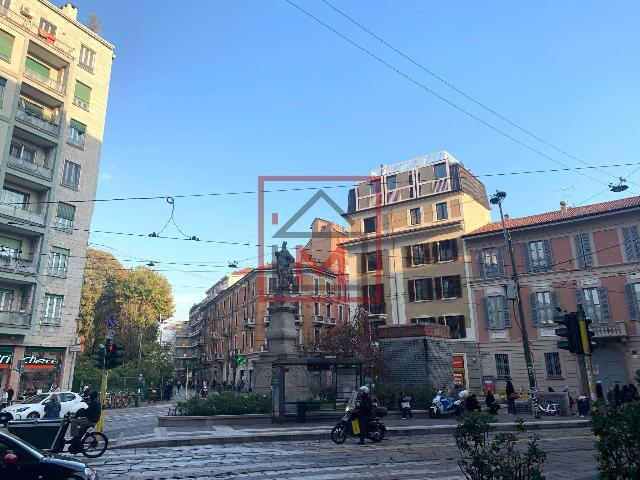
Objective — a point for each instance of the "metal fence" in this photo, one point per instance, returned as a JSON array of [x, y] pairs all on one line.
[[121, 384]]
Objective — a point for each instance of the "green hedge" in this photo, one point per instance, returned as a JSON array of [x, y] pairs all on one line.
[[225, 403]]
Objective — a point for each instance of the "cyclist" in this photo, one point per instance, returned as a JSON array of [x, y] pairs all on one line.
[[86, 417]]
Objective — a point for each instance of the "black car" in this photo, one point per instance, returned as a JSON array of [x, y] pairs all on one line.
[[21, 461]]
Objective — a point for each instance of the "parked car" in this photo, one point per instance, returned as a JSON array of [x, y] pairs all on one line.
[[33, 407], [21, 461]]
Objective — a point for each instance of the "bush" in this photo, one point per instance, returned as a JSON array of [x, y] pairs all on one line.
[[225, 403], [618, 445], [497, 457]]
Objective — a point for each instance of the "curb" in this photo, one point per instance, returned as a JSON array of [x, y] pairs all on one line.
[[326, 434]]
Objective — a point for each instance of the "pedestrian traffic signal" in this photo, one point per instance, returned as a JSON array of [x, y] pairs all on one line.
[[116, 355], [570, 330]]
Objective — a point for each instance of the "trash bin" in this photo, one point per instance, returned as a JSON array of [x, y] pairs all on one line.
[[40, 433], [302, 412], [136, 399]]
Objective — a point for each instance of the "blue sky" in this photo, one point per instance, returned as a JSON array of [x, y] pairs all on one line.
[[206, 97]]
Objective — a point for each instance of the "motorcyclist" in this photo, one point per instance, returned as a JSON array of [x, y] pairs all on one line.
[[364, 412]]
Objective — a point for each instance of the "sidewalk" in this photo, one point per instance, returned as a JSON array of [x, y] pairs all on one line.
[[273, 432]]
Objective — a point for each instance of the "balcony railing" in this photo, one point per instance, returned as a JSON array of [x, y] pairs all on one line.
[[16, 211], [78, 102], [25, 24], [31, 167], [35, 121], [43, 80], [24, 265], [15, 319], [298, 319], [250, 322], [609, 330]]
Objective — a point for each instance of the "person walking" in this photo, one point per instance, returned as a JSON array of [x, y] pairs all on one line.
[[405, 406], [633, 392], [511, 396], [611, 397], [141, 385], [364, 413], [178, 387], [152, 393], [52, 407], [599, 391], [10, 394]]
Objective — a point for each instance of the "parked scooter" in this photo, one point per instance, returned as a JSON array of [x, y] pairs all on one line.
[[442, 405], [552, 409]]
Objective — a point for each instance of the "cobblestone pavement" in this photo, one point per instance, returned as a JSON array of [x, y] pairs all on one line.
[[570, 456]]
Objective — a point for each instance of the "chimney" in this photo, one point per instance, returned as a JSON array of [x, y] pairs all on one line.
[[70, 10], [563, 206]]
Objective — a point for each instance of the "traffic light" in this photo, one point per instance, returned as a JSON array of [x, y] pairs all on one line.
[[589, 334], [570, 331], [99, 357], [116, 355], [240, 360]]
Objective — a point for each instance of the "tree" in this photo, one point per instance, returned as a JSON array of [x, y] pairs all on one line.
[[355, 339], [95, 25]]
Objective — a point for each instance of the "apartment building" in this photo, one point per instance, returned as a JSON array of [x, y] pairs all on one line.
[[54, 81], [406, 261], [582, 255]]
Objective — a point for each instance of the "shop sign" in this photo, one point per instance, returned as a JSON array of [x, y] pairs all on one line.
[[5, 360], [39, 362]]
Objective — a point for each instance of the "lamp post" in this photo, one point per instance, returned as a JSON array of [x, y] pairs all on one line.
[[497, 199]]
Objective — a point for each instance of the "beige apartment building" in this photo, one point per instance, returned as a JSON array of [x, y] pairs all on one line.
[[54, 81], [405, 253]]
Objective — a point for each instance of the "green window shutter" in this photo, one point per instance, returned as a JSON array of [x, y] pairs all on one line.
[[83, 92], [61, 251], [80, 127], [6, 45], [10, 243], [66, 211], [3, 82], [37, 67]]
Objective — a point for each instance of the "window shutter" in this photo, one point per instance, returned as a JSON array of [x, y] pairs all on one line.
[[485, 313], [505, 310], [83, 92], [631, 242], [80, 127], [429, 289], [37, 67], [500, 258], [579, 251], [526, 257], [579, 297], [426, 251], [586, 250], [6, 45], [10, 243], [461, 327], [632, 302], [363, 263], [412, 290], [408, 258], [434, 252], [365, 294], [480, 258], [533, 304], [454, 248], [604, 304], [548, 257], [66, 211], [555, 302], [3, 82], [438, 282], [457, 286], [61, 251]]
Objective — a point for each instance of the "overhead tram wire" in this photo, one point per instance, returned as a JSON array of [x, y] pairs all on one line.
[[461, 92], [434, 93]]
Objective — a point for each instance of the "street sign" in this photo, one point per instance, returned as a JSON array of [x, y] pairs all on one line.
[[75, 348], [109, 334], [111, 321]]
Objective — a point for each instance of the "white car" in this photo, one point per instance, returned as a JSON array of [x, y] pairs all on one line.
[[33, 407]]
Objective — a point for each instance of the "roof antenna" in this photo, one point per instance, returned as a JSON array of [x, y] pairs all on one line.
[[620, 187]]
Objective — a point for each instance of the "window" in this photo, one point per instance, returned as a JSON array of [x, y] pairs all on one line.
[[272, 284], [420, 289], [87, 58], [584, 255], [23, 152], [448, 250], [371, 259], [632, 291], [373, 187], [52, 308], [251, 339], [76, 133], [316, 286], [441, 211], [502, 365], [328, 310], [552, 362], [416, 216], [391, 182], [451, 286], [65, 216], [6, 46], [15, 198], [595, 304], [456, 325], [82, 95], [31, 108], [490, 262], [6, 299], [340, 312], [369, 225], [316, 309], [373, 298], [542, 307], [536, 251], [496, 312], [327, 287], [631, 241], [440, 171], [339, 291], [70, 175], [537, 256], [37, 70], [3, 84], [48, 27], [59, 261], [316, 336]]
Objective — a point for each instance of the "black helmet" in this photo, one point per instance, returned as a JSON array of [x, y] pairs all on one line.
[[93, 395]]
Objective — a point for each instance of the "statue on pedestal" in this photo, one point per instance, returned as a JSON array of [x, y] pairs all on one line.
[[284, 268]]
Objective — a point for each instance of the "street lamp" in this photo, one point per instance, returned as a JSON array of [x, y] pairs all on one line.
[[497, 199]]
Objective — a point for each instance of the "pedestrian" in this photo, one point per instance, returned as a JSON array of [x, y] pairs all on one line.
[[141, 385], [611, 396], [52, 407], [364, 413], [152, 393], [633, 392], [619, 399], [178, 387], [624, 394], [599, 391], [10, 394], [511, 397], [168, 388], [492, 403], [571, 401], [472, 404], [405, 406]]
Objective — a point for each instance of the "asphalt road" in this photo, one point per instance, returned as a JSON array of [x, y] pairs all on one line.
[[571, 455]]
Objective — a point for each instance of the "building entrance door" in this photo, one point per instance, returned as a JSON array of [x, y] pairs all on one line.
[[609, 366]]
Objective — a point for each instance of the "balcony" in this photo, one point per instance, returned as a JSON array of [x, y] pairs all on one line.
[[298, 319], [40, 123], [78, 102], [30, 167], [44, 80], [15, 319], [28, 26], [319, 320], [250, 322], [609, 330], [19, 212], [23, 264]]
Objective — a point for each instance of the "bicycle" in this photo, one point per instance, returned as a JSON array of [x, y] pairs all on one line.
[[91, 444]]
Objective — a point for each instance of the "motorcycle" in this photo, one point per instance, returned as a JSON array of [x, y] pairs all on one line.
[[349, 425], [441, 405]]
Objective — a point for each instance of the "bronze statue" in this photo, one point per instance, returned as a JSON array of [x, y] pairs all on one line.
[[284, 268]]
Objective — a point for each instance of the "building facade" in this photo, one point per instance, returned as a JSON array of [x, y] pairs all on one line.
[[406, 260], [54, 81], [583, 255]]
